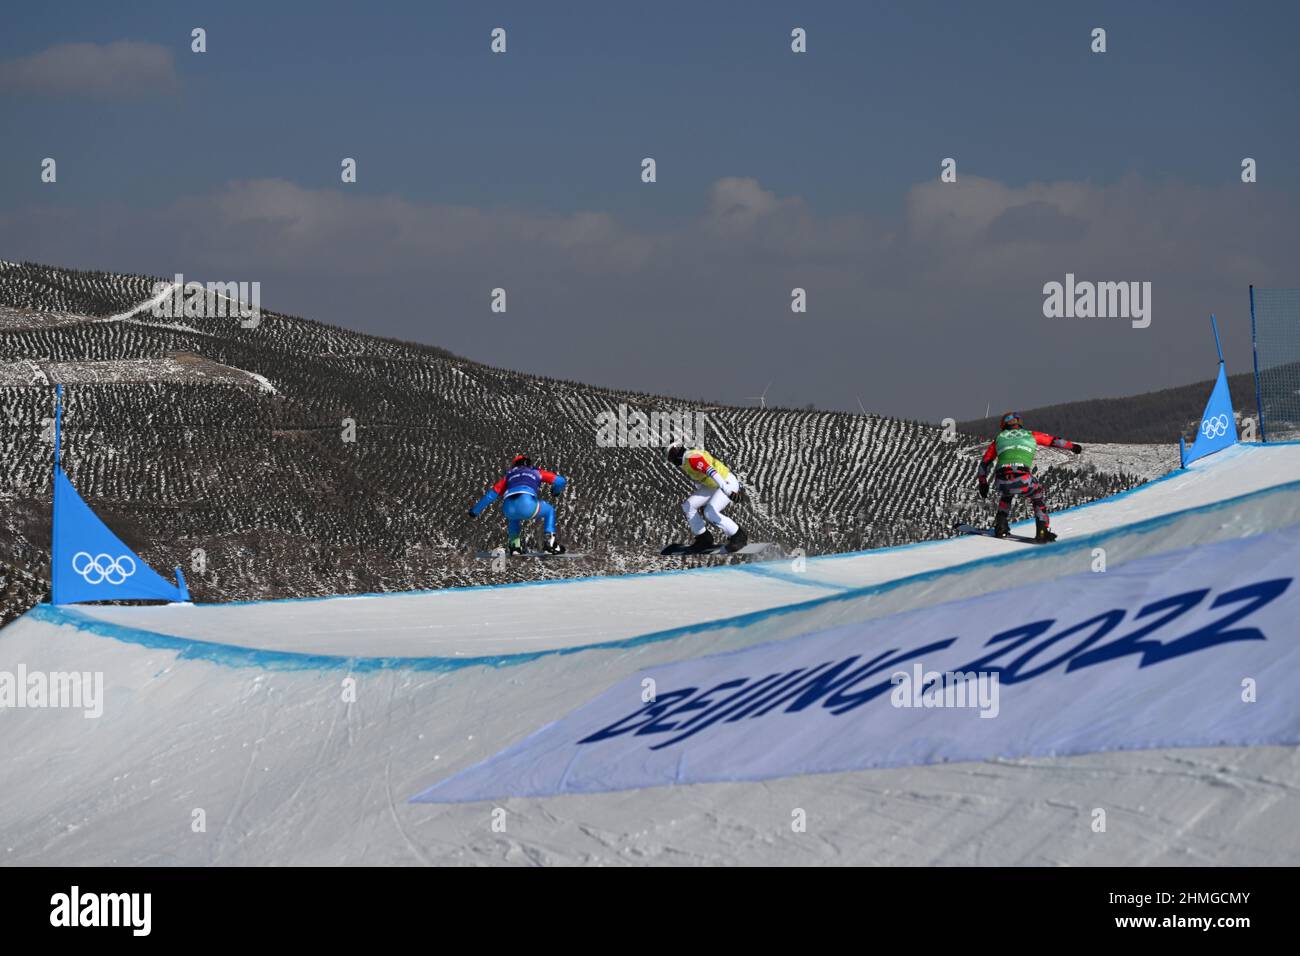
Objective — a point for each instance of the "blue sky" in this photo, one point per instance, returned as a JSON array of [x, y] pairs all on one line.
[[842, 141]]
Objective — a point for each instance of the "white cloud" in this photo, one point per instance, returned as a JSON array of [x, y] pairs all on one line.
[[122, 69], [280, 224], [980, 232]]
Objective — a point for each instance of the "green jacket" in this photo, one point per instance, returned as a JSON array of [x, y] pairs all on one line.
[[1016, 446]]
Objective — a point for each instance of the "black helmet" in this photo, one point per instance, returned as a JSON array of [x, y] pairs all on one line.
[[676, 452], [1011, 420]]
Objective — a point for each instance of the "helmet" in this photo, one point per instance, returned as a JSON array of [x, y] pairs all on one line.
[[676, 451], [1011, 420], [519, 460]]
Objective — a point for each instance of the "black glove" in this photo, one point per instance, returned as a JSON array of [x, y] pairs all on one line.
[[472, 513], [1077, 449], [984, 489], [738, 496]]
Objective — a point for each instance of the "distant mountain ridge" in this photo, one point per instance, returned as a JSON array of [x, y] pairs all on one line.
[[1149, 418]]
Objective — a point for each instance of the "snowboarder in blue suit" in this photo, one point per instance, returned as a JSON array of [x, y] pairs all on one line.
[[520, 490]]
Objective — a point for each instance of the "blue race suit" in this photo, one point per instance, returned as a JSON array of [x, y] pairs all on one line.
[[520, 488]]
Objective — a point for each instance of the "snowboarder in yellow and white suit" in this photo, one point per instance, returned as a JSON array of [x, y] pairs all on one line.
[[718, 488]]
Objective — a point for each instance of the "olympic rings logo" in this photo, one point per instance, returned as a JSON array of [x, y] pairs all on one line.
[[1214, 427], [103, 568]]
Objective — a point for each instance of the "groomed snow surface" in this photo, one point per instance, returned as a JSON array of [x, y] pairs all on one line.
[[296, 732]]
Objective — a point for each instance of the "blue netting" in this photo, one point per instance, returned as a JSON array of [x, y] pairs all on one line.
[[1275, 317]]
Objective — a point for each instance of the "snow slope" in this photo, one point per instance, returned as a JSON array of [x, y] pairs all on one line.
[[297, 731]]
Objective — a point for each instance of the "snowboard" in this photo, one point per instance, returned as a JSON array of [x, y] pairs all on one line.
[[754, 547], [501, 553], [988, 533]]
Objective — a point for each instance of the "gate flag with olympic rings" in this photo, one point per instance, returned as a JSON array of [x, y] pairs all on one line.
[[87, 561], [90, 563], [1217, 428]]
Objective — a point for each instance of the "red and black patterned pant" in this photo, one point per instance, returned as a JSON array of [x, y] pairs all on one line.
[[1011, 481]]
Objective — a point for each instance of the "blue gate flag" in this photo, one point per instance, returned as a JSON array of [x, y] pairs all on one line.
[[1218, 427], [87, 561], [90, 563]]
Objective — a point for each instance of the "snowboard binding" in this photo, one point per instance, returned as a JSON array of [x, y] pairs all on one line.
[[703, 542], [737, 540]]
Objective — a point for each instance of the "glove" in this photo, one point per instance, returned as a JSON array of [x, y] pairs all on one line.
[[472, 513], [1077, 449], [984, 489], [738, 496]]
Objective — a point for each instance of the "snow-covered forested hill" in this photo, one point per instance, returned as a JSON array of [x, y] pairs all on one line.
[[250, 466]]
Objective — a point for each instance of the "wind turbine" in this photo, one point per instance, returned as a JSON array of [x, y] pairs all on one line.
[[761, 399]]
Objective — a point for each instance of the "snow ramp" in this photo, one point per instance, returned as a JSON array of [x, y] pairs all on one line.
[[299, 731]]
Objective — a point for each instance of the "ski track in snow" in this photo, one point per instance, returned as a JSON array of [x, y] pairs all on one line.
[[147, 304]]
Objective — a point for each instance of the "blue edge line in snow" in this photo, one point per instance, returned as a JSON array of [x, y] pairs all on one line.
[[235, 656]]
